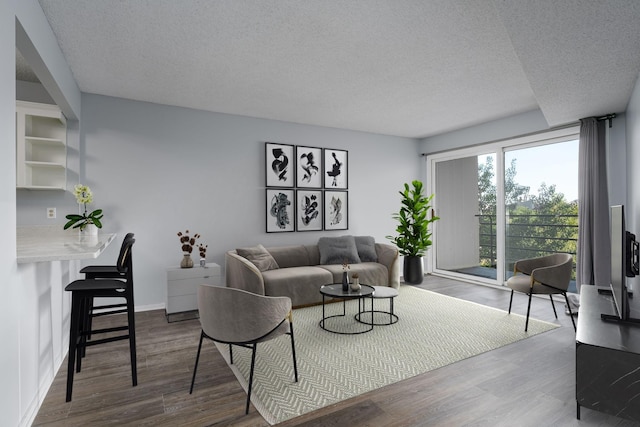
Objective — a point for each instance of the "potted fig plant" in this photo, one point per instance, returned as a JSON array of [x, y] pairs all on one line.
[[413, 235]]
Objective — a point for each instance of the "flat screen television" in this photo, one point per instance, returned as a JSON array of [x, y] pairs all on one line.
[[624, 263]]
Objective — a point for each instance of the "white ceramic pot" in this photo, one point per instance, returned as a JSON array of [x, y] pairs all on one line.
[[91, 230]]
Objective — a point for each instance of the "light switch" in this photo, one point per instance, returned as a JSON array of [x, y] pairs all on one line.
[[51, 213]]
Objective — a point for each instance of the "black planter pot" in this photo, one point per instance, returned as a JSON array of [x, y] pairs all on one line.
[[413, 272]]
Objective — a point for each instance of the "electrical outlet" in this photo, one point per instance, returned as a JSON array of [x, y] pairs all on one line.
[[51, 213]]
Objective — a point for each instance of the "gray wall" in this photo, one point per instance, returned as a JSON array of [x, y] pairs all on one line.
[[633, 170], [520, 124], [157, 170]]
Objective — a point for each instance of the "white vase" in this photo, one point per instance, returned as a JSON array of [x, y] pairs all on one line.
[[90, 230], [89, 234], [355, 285]]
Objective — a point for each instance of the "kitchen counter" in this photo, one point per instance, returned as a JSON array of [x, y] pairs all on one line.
[[42, 243]]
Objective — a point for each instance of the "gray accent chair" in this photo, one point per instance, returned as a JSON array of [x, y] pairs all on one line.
[[236, 317], [549, 274]]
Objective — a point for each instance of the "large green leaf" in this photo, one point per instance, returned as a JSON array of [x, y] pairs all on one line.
[[413, 237]]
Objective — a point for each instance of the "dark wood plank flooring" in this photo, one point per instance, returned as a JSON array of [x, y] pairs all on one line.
[[528, 383]]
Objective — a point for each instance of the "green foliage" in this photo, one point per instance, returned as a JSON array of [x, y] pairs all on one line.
[[84, 196], [414, 237], [536, 224], [514, 192], [81, 221], [548, 224]]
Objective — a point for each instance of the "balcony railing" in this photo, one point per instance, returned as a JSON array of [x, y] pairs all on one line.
[[528, 236]]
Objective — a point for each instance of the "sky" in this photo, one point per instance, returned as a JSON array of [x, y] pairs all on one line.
[[552, 164]]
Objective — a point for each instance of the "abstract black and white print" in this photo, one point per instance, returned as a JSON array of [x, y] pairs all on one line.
[[309, 210], [336, 210], [336, 169], [309, 167], [279, 210], [280, 165]]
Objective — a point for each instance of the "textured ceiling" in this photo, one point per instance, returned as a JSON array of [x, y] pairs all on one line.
[[397, 67]]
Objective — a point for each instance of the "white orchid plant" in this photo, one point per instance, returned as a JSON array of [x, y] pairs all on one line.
[[84, 196]]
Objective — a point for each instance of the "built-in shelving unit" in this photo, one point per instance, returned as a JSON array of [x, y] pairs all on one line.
[[41, 147]]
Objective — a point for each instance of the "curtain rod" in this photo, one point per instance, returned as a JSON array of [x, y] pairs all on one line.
[[609, 117], [523, 135]]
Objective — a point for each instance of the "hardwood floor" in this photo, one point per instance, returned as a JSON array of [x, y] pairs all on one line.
[[528, 383]]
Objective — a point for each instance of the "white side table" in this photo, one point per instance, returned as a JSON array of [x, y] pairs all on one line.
[[182, 289]]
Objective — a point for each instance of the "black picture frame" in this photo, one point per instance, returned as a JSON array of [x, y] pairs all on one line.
[[280, 168], [335, 169], [279, 210], [308, 167], [309, 210], [336, 210]]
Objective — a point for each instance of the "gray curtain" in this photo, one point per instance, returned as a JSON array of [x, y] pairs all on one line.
[[594, 247]]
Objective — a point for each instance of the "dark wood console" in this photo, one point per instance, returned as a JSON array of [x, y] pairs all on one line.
[[607, 358]]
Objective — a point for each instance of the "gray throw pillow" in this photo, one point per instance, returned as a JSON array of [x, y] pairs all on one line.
[[260, 257], [337, 250], [366, 248]]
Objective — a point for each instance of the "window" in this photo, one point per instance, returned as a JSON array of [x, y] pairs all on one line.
[[501, 202]]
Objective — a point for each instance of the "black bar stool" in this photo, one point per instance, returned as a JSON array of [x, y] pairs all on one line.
[[82, 294], [104, 272]]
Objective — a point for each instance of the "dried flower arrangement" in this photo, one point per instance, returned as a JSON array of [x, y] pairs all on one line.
[[203, 250], [187, 241], [345, 265]]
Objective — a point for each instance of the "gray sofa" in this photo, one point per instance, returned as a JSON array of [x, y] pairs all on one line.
[[299, 271]]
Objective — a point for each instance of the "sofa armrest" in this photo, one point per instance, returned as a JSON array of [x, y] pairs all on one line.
[[388, 256], [243, 274]]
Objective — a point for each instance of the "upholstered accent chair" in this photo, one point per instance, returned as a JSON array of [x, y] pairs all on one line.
[[549, 275], [237, 317]]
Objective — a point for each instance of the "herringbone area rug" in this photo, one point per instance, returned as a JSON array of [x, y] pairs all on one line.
[[434, 330]]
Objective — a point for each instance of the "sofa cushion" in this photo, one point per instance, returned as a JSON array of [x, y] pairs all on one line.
[[301, 284], [337, 250], [314, 254], [290, 256], [366, 246], [370, 273], [260, 257]]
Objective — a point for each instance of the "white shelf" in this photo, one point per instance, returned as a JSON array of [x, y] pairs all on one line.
[[44, 164], [41, 147]]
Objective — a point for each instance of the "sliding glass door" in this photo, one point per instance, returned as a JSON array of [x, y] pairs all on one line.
[[502, 202]]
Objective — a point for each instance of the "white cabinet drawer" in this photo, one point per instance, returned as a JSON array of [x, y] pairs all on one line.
[[182, 286]]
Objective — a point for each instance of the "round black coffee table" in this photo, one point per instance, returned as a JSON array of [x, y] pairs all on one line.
[[335, 291]]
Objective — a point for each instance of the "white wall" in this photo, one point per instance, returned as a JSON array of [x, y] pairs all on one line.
[[33, 308], [157, 170], [9, 309]]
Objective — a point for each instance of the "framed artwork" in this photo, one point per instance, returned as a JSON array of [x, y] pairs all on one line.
[[336, 210], [308, 167], [280, 210], [279, 165], [309, 210], [336, 169]]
